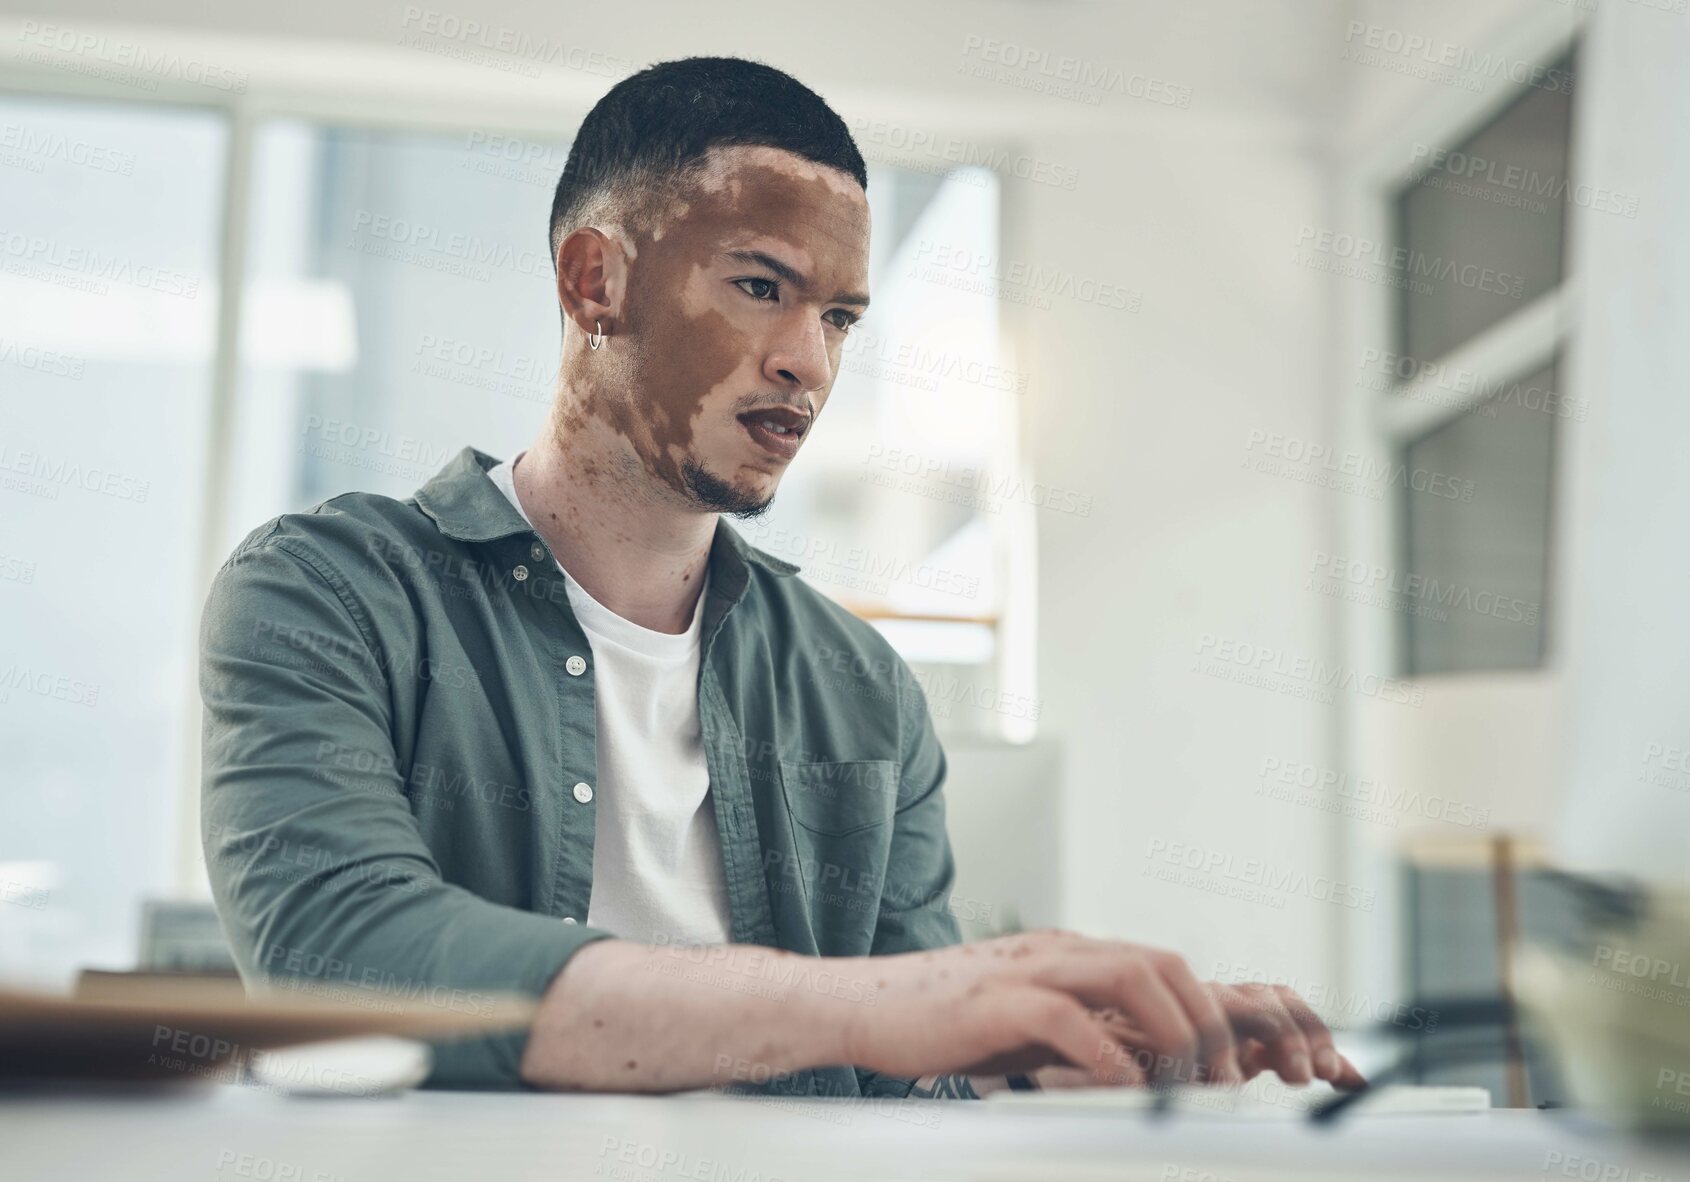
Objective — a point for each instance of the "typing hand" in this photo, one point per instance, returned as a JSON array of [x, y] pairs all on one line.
[[1038, 1000], [1276, 1029]]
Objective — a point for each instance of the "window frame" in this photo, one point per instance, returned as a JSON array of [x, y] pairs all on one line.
[[1370, 171]]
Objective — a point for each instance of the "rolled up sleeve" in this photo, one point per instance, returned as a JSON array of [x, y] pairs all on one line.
[[320, 873]]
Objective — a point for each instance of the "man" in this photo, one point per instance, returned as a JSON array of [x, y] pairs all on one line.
[[551, 726]]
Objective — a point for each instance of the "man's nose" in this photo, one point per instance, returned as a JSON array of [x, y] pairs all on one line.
[[800, 355]]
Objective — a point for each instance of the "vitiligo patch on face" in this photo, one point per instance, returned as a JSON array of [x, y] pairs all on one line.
[[686, 348]]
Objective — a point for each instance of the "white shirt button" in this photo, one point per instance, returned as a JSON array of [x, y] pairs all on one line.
[[537, 552], [576, 666], [583, 792], [569, 919], [520, 573]]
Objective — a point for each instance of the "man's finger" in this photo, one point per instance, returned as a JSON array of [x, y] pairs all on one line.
[[1327, 1062], [1258, 1011], [1219, 1049], [1067, 1027], [1125, 978], [1348, 1078]]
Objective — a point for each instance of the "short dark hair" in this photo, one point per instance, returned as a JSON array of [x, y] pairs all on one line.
[[650, 131]]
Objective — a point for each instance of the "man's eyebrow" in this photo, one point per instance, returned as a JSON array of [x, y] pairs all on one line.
[[791, 275]]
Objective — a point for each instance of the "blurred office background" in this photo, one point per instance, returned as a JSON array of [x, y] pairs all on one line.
[[1267, 441]]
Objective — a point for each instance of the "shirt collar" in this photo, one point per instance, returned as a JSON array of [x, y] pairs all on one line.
[[465, 505]]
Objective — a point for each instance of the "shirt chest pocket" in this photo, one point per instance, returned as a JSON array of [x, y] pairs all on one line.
[[842, 797]]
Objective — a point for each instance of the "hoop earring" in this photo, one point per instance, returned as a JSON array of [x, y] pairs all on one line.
[[597, 338]]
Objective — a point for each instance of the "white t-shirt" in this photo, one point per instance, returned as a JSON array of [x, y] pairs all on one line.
[[657, 854]]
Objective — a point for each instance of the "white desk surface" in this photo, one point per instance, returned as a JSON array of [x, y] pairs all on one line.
[[233, 1133]]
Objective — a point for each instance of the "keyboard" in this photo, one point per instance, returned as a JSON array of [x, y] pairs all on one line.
[[1263, 1098]]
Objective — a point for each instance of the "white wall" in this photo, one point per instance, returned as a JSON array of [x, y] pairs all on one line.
[[1625, 564], [1151, 414]]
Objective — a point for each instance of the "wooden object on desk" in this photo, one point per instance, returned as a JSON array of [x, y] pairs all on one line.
[[163, 1026]]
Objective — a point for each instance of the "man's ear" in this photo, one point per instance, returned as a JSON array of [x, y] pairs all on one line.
[[591, 279]]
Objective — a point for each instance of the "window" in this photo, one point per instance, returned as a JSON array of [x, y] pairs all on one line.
[[1476, 401], [1481, 565], [890, 509], [109, 225], [399, 307]]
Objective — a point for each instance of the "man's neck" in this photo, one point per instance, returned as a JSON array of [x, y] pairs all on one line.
[[642, 559]]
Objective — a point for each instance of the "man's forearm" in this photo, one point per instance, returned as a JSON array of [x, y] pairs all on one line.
[[634, 1017]]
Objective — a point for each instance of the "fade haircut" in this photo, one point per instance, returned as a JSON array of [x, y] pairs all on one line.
[[647, 139]]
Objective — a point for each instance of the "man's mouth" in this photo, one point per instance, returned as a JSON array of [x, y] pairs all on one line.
[[777, 429]]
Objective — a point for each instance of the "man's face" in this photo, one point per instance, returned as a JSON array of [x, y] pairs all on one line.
[[738, 300]]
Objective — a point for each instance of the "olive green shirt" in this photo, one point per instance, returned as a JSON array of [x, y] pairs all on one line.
[[400, 755]]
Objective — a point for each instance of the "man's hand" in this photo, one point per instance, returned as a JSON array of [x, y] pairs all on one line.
[[1080, 1011], [1276, 1029], [631, 1017]]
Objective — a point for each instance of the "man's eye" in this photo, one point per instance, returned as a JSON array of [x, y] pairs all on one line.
[[846, 320]]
